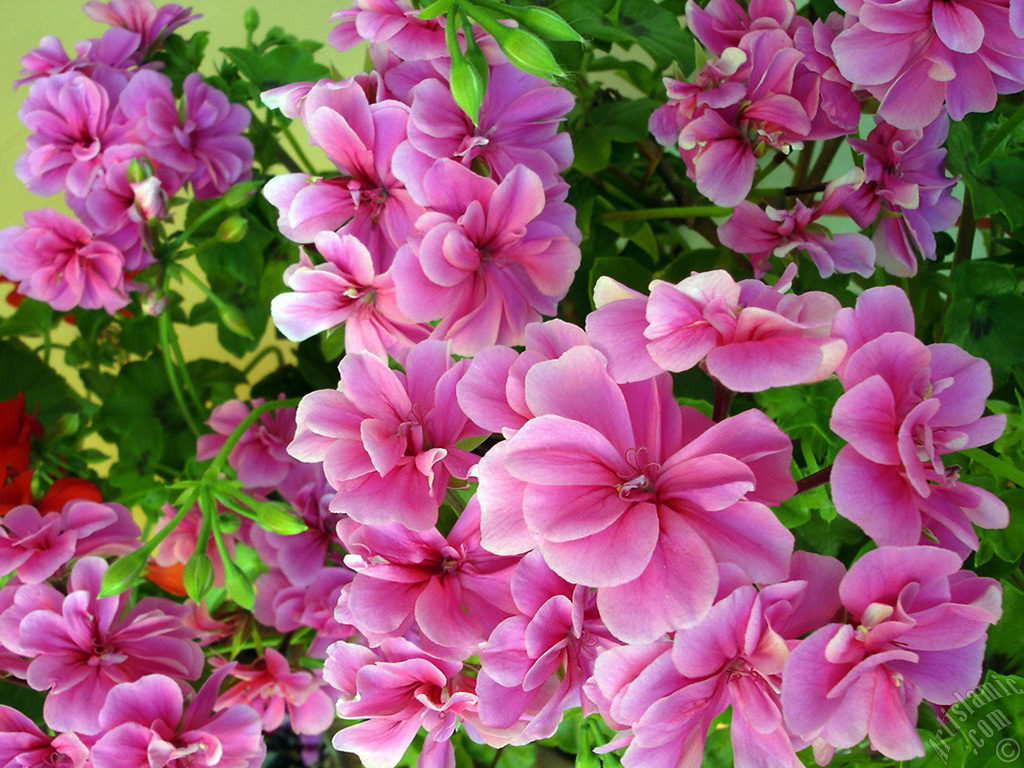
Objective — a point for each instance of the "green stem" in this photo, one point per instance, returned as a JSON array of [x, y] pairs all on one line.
[[222, 456], [165, 330], [186, 377], [294, 144], [685, 212]]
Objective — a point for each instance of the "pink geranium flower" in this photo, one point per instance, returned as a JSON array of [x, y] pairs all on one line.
[[56, 259], [623, 490], [398, 689], [388, 440], [142, 17], [22, 743], [391, 23], [73, 120], [38, 545], [346, 290], [917, 56], [454, 590], [763, 233], [905, 174], [750, 336], [202, 142], [359, 135], [81, 652], [147, 723], [488, 259], [274, 691], [535, 663], [916, 630]]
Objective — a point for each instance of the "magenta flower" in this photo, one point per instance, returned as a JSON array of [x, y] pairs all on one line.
[[346, 290], [768, 232], [907, 404], [518, 125], [492, 393], [916, 630], [274, 691], [623, 490], [723, 23], [202, 143], [142, 17], [73, 121], [750, 336], [23, 744], [667, 694], [917, 56], [391, 23], [388, 440], [38, 545], [489, 259], [454, 590], [147, 722], [260, 457], [56, 259], [905, 174], [91, 645], [367, 201], [535, 663], [398, 690], [105, 60]]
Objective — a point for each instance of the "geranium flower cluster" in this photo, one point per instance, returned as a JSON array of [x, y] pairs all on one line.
[[779, 80], [108, 131], [431, 218]]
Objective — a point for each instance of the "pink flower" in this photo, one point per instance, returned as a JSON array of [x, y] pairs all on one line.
[[398, 690], [917, 56], [147, 722], [623, 490], [489, 259], [56, 259], [518, 125], [105, 60], [916, 630], [391, 23], [22, 743], [38, 545], [287, 606], [764, 233], [271, 688], [723, 23], [905, 405], [388, 440], [905, 174], [535, 663], [203, 142], [73, 121], [345, 291], [81, 652], [750, 336], [667, 694], [260, 457], [492, 393], [142, 17], [368, 201], [454, 590], [178, 547]]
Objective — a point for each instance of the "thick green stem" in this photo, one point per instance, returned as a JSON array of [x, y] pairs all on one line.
[[165, 330], [685, 212], [260, 355]]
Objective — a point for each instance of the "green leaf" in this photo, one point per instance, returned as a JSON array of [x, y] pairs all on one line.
[[1004, 638], [624, 121], [284, 64], [592, 150], [44, 388], [658, 32], [31, 318]]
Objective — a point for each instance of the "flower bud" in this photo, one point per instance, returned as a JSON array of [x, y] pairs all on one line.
[[274, 518], [139, 169], [547, 24], [251, 19], [198, 575], [232, 230], [150, 198]]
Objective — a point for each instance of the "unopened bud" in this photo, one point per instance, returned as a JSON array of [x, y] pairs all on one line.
[[232, 230], [240, 193], [547, 24], [198, 575], [150, 198], [154, 302], [139, 169], [526, 52], [276, 519], [251, 19]]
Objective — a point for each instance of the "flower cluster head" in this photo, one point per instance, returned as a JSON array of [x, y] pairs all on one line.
[[107, 132], [460, 222], [915, 631], [763, 91], [956, 54]]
